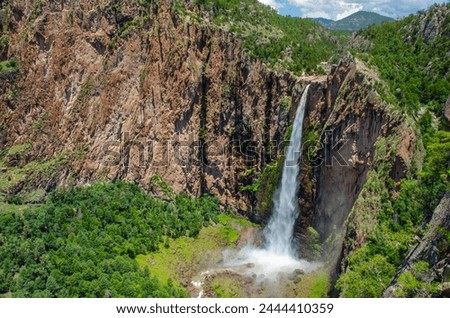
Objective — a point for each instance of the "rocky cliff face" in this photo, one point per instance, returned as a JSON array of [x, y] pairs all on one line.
[[122, 91], [432, 24], [112, 91], [447, 111], [345, 119]]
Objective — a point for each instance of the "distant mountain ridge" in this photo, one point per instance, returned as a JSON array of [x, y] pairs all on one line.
[[354, 22]]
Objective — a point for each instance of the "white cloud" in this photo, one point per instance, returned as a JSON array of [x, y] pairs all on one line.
[[273, 3], [348, 9], [338, 9], [330, 9], [398, 8]]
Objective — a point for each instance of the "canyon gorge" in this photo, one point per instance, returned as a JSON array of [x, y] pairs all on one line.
[[153, 93]]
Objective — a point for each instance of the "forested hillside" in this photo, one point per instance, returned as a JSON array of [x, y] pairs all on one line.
[[411, 56], [354, 22], [294, 44]]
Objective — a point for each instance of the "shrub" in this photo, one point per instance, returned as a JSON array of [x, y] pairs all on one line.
[[10, 66]]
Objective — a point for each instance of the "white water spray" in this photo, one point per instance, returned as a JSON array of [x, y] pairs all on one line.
[[279, 232], [278, 255]]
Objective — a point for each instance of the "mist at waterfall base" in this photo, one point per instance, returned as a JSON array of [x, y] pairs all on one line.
[[277, 255]]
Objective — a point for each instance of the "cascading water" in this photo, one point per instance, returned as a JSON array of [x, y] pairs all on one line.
[[280, 229], [277, 257]]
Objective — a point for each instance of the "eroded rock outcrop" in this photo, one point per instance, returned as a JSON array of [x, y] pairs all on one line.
[[447, 110], [346, 118]]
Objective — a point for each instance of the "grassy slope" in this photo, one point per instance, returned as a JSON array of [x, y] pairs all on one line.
[[312, 285], [180, 259]]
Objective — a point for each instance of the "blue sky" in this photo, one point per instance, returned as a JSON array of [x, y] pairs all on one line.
[[338, 9]]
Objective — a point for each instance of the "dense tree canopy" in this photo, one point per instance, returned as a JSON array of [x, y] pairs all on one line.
[[416, 68], [296, 44], [82, 242]]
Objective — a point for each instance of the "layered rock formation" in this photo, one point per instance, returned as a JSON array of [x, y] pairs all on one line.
[[130, 92]]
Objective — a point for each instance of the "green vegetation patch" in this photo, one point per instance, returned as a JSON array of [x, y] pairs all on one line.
[[366, 276], [10, 66], [269, 181], [311, 285], [6, 207], [85, 91], [412, 284], [313, 241], [320, 284], [18, 172], [180, 259], [229, 286], [414, 66], [128, 28]]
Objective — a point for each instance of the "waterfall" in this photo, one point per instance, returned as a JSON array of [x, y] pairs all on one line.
[[278, 255], [280, 229]]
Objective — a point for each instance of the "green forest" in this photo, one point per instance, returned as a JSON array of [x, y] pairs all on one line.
[[418, 84], [83, 242], [401, 220], [414, 66]]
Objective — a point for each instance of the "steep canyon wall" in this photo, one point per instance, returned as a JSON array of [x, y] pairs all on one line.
[[111, 90]]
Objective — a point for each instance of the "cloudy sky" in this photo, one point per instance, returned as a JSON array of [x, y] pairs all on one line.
[[338, 9]]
